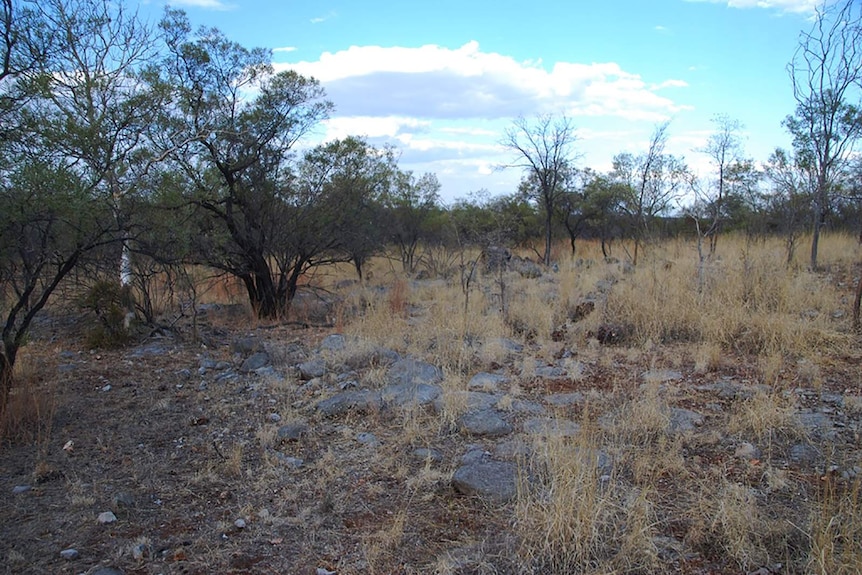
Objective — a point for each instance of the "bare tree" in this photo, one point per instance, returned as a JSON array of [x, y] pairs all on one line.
[[724, 148], [827, 73], [543, 149], [652, 180]]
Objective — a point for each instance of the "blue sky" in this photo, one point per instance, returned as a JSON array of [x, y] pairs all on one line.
[[443, 80]]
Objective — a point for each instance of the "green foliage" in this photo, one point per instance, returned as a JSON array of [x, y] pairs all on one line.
[[113, 305]]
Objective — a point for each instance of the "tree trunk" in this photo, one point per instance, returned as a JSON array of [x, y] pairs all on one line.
[[548, 222], [7, 363], [856, 304], [818, 223]]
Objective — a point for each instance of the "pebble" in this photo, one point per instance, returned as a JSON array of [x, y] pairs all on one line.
[[140, 552], [69, 554], [239, 523], [19, 489], [107, 517]]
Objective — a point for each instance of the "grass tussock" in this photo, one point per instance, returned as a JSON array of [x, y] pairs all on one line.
[[573, 517], [29, 413], [836, 528]]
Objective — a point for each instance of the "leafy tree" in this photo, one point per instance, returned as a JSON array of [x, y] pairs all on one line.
[[543, 149], [827, 76], [409, 203], [76, 96], [230, 129], [794, 181]]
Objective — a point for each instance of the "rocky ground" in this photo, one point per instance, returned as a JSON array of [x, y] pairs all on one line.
[[275, 449]]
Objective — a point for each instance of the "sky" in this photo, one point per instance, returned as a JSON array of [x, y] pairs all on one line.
[[444, 80]]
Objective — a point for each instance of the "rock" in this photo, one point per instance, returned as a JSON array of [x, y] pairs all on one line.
[[239, 523], [505, 344], [425, 454], [490, 382], [804, 454], [247, 345], [524, 406], [268, 371], [107, 571], [255, 361], [291, 462], [484, 423], [549, 372], [746, 450], [107, 517], [292, 431], [473, 400], [564, 399], [291, 354], [19, 489], [334, 342], [513, 449], [361, 359], [551, 427], [140, 552], [815, 422], [361, 401], [661, 375], [682, 420], [69, 554], [124, 499], [308, 370], [368, 439], [410, 394], [494, 480], [474, 455], [525, 267], [273, 418], [411, 371], [496, 258]]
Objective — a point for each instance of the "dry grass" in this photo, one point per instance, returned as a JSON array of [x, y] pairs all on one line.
[[836, 528], [661, 501], [29, 414], [573, 518]]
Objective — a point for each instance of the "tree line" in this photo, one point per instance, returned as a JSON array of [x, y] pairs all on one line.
[[132, 149]]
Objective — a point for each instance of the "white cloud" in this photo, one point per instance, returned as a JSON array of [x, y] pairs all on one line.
[[208, 4], [438, 82], [798, 6], [285, 49], [329, 15]]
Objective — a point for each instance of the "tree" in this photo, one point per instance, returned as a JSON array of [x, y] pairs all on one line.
[[543, 149], [794, 182], [652, 181], [724, 149], [827, 76], [76, 98], [408, 204], [230, 129]]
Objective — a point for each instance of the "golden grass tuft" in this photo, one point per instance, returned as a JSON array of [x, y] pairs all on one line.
[[573, 519], [836, 528]]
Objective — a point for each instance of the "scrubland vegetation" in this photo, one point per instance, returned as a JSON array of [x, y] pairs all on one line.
[[715, 430], [204, 324]]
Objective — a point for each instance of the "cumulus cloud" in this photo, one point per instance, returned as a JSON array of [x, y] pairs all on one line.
[[285, 49], [437, 82], [798, 6]]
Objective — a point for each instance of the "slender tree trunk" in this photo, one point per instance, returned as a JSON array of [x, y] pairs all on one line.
[[6, 365], [856, 304], [818, 222], [549, 212]]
